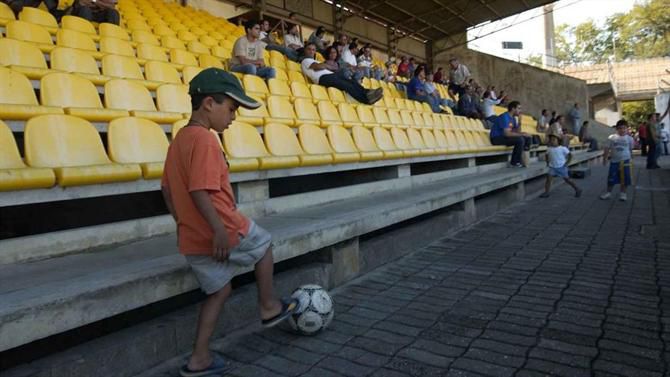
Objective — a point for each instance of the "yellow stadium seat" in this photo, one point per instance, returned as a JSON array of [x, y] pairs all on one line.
[[227, 44], [138, 141], [207, 61], [306, 113], [39, 17], [366, 83], [75, 39], [79, 24], [77, 61], [400, 104], [280, 74], [294, 76], [208, 41], [72, 147], [386, 101], [221, 52], [77, 96], [431, 141], [454, 148], [300, 90], [186, 36], [463, 144], [417, 142], [348, 115], [442, 142], [6, 14], [407, 119], [292, 66], [319, 92], [197, 48], [402, 142], [385, 142], [366, 116], [428, 120], [183, 58], [243, 145], [135, 98], [23, 57], [365, 143], [439, 120], [189, 73], [426, 107], [145, 37], [314, 141], [279, 88], [329, 114], [163, 31], [170, 42], [396, 119], [417, 117], [198, 31], [173, 98], [162, 72], [124, 67], [277, 60], [336, 95], [341, 142], [115, 46], [115, 31], [255, 117], [151, 52], [17, 97], [27, 32], [381, 117], [281, 141], [14, 174], [256, 86], [133, 25]]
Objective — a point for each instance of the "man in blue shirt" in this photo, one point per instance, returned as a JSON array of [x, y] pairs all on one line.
[[416, 90], [505, 132]]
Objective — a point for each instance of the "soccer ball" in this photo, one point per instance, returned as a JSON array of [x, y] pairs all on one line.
[[314, 312]]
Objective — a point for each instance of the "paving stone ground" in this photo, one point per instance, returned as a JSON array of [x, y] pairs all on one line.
[[559, 286]]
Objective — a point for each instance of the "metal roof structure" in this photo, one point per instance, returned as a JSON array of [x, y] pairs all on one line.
[[438, 19]]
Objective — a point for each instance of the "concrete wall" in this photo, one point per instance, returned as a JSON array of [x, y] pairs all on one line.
[[536, 88]]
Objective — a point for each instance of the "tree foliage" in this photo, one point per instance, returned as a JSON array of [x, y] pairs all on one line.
[[643, 32], [636, 112]]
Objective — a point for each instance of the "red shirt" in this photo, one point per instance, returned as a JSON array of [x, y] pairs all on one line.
[[403, 69], [642, 131]]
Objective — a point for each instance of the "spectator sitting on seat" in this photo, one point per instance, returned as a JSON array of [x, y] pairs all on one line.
[[416, 90], [403, 67], [431, 90], [366, 65], [332, 57], [585, 137], [466, 104], [487, 107], [348, 64], [266, 37], [503, 133], [458, 76], [317, 38], [293, 41], [343, 40], [318, 73], [492, 90], [411, 67], [557, 128], [438, 76], [97, 11], [543, 123], [248, 53]]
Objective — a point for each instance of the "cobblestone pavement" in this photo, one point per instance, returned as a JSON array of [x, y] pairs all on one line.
[[559, 286]]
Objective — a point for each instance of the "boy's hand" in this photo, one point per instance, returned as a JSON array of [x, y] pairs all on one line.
[[221, 246]]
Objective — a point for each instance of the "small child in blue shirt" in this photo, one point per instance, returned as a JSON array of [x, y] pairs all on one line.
[[558, 158]]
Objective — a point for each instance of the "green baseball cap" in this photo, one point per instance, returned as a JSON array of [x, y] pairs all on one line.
[[216, 80]]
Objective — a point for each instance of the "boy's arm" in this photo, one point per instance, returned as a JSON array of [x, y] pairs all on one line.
[[220, 244], [568, 160], [606, 154]]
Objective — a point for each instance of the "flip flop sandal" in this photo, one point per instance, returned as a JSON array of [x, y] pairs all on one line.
[[218, 366], [288, 306]]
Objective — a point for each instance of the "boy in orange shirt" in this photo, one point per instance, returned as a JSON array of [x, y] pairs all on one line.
[[216, 239]]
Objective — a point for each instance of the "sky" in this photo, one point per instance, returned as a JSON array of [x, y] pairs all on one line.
[[531, 32]]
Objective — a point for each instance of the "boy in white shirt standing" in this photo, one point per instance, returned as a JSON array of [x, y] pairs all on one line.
[[558, 158], [619, 149]]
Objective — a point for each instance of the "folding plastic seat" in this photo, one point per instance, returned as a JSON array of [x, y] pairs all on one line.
[[396, 119], [39, 17], [135, 98], [365, 143], [442, 142], [221, 52], [77, 61], [348, 115], [439, 121], [431, 142], [366, 83], [314, 141], [329, 114], [77, 96], [300, 90], [178, 26], [319, 93], [426, 108], [255, 85], [375, 84], [407, 119], [199, 32], [186, 36], [189, 73], [23, 57], [342, 143], [148, 52], [454, 147], [75, 39], [463, 144], [336, 95], [292, 66], [385, 142], [279, 88], [138, 141], [27, 32], [197, 48], [174, 98], [115, 31], [17, 97], [280, 74], [164, 31], [72, 147], [402, 142], [115, 46], [170, 42], [255, 117], [307, 113], [400, 103], [81, 25], [6, 14], [14, 174], [161, 72], [277, 60], [294, 76], [427, 118], [182, 58], [366, 116], [246, 151], [144, 37], [227, 44], [281, 141], [137, 24], [208, 41], [386, 101], [382, 118], [417, 142], [207, 61], [125, 67]]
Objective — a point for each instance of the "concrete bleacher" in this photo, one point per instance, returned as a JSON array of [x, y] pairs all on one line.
[[87, 112]]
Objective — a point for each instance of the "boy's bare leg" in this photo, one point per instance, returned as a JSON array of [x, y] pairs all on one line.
[[623, 188], [209, 314], [269, 305], [547, 184], [571, 183]]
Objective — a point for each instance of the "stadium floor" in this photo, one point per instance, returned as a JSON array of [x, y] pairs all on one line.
[[558, 286]]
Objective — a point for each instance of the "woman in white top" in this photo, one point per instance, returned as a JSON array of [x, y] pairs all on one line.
[[487, 106]]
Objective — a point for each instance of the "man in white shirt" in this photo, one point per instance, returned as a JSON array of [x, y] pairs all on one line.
[[458, 76], [348, 63], [487, 106], [292, 40], [319, 74], [272, 44], [248, 53]]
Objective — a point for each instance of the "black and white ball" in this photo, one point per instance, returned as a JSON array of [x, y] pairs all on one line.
[[314, 312]]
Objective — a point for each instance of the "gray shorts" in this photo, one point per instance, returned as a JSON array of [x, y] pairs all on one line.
[[213, 275]]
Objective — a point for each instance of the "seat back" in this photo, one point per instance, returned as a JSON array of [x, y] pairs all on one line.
[[171, 42], [407, 119], [340, 140], [38, 16], [136, 140], [279, 87], [415, 139], [25, 31], [400, 139], [281, 141], [306, 111], [75, 39], [300, 90], [292, 66], [440, 139], [221, 52], [241, 140], [347, 113], [381, 116], [329, 113], [72, 60], [9, 152], [53, 141], [190, 72], [336, 95], [151, 52], [400, 104], [122, 67], [395, 117], [115, 31], [207, 61], [116, 46], [428, 120], [296, 76], [68, 90], [21, 53], [428, 138], [6, 12], [253, 83], [15, 88], [186, 36], [144, 37], [208, 41], [439, 120], [364, 140], [365, 114], [184, 57], [174, 98], [197, 48], [319, 92], [79, 24], [260, 112], [418, 119], [128, 95], [383, 139], [161, 71], [162, 31], [313, 140], [280, 107]]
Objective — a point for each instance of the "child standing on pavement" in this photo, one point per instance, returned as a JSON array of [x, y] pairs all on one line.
[[216, 239], [619, 149], [558, 158]]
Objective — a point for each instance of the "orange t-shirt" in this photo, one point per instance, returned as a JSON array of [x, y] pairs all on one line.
[[195, 162]]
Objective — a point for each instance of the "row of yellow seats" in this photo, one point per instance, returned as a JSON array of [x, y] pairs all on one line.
[[75, 95], [67, 150]]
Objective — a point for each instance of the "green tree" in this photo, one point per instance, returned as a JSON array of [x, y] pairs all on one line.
[[535, 59], [636, 112]]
